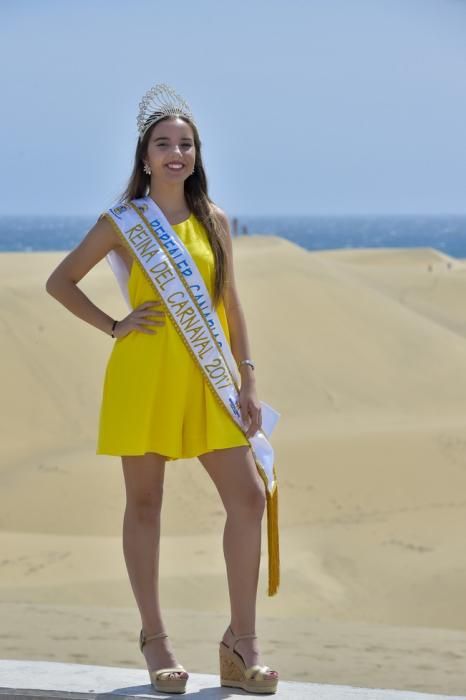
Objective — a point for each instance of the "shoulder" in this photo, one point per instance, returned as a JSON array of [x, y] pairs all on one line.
[[105, 227], [105, 221], [219, 213], [221, 216]]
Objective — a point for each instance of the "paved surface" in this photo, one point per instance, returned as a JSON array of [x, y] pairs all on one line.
[[48, 679]]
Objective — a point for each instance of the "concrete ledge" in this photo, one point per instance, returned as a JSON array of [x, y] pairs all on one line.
[[50, 679]]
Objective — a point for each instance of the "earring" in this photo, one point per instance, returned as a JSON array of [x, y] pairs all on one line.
[[147, 169]]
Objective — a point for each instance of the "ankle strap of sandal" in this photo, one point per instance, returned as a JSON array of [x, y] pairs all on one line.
[[143, 639], [250, 635]]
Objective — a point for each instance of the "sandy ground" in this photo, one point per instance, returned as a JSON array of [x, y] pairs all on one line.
[[368, 370]]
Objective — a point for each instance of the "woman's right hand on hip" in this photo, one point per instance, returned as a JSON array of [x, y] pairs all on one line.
[[138, 320]]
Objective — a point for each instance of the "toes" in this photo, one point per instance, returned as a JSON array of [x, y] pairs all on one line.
[[178, 674]]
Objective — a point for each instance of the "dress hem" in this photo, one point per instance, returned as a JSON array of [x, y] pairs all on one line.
[[170, 457]]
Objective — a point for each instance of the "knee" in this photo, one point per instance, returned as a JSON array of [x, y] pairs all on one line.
[[250, 503], [146, 507]]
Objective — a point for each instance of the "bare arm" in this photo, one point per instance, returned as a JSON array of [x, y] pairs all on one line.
[[236, 319], [249, 403], [62, 283]]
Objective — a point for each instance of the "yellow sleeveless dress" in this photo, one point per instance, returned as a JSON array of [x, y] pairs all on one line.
[[155, 398]]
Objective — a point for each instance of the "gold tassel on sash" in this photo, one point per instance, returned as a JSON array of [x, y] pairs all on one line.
[[273, 540]]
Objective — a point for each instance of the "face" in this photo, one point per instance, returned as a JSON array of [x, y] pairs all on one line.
[[171, 142]]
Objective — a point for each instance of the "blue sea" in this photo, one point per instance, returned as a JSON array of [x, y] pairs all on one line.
[[443, 232]]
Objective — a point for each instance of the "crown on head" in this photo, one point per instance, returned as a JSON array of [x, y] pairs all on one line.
[[158, 102]]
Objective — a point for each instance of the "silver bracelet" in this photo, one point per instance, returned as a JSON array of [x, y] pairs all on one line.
[[246, 362]]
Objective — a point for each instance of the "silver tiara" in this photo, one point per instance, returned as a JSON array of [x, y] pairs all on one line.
[[158, 102]]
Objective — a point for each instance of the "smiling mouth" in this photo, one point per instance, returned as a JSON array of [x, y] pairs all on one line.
[[175, 166]]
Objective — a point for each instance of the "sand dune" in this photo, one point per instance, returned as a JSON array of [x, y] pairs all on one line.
[[415, 258], [423, 280], [364, 354]]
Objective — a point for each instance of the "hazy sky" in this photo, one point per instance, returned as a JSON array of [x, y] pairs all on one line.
[[304, 106]]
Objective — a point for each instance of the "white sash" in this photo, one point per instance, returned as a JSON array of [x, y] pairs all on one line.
[[169, 267]]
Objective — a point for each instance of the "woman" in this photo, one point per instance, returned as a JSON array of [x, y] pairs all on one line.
[[156, 404]]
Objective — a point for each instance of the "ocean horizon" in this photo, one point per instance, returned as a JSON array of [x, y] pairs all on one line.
[[444, 232]]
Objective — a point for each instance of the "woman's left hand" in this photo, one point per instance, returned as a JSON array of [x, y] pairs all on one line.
[[250, 409]]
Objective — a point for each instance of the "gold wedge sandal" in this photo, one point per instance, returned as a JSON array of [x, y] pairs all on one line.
[[165, 680], [234, 674]]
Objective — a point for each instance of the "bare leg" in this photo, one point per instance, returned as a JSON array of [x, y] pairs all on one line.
[[144, 477], [242, 491]]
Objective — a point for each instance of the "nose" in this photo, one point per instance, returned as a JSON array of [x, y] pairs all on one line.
[[178, 148]]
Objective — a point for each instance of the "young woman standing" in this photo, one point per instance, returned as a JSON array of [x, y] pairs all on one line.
[[157, 406]]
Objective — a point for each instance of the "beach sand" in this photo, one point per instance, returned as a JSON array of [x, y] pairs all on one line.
[[363, 352]]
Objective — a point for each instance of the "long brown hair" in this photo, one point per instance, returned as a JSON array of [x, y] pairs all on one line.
[[197, 198]]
